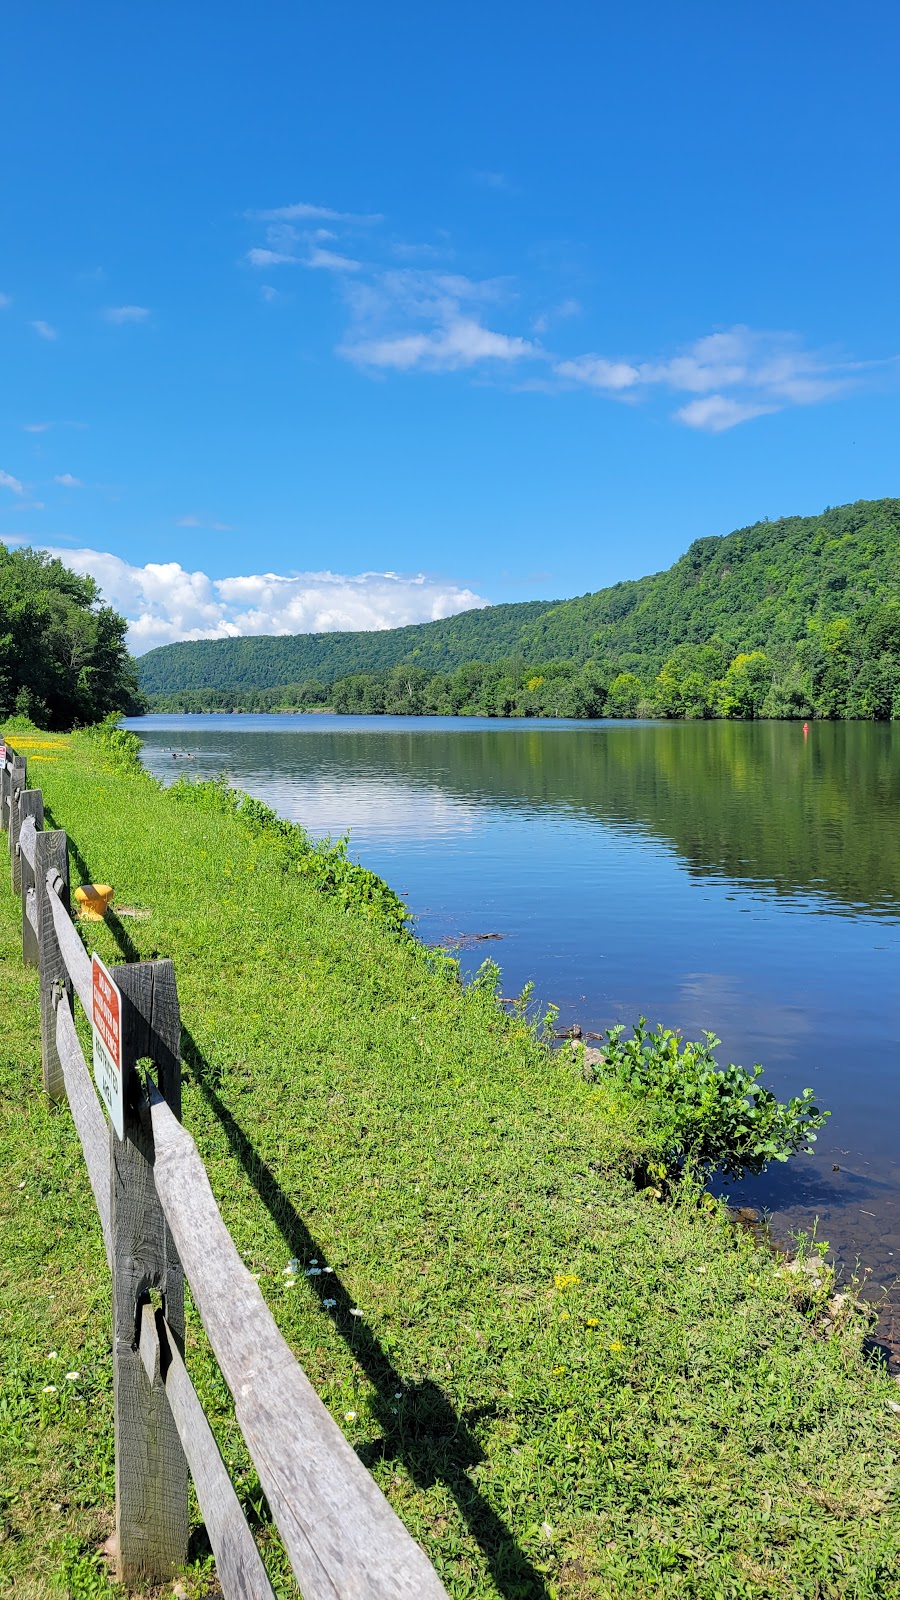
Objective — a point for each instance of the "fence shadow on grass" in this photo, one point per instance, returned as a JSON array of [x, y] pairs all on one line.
[[421, 1429]]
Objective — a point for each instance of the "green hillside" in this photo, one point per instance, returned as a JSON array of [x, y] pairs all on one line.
[[797, 618], [753, 589], [488, 634]]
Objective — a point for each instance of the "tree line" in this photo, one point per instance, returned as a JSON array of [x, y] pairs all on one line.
[[848, 667]]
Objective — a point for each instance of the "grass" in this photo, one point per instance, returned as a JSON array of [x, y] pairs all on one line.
[[565, 1386]]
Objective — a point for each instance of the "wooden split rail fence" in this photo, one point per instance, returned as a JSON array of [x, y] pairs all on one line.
[[161, 1225]]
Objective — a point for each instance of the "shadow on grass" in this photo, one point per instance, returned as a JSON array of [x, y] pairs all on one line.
[[420, 1427]]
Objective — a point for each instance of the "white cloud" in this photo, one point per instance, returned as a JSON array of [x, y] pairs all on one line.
[[269, 293], [268, 258], [68, 482], [164, 602], [302, 212], [599, 373], [122, 314], [411, 318], [200, 522], [44, 329], [765, 372], [5, 300], [716, 412], [462, 343], [7, 481], [424, 319], [331, 261]]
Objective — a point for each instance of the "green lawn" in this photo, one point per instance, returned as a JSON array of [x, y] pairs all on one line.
[[565, 1386]]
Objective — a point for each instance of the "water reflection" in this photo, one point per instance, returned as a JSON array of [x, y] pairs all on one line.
[[733, 877]]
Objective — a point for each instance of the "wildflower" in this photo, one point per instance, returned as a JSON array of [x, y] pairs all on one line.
[[592, 1322], [72, 1376], [49, 1388], [558, 1370], [616, 1344], [53, 1356], [564, 1316], [566, 1280], [356, 1311], [328, 1304], [291, 1283], [314, 1272], [349, 1416]]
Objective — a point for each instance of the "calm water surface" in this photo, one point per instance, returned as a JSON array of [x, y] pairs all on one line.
[[740, 878]]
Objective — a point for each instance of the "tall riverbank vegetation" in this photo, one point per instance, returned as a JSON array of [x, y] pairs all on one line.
[[796, 618], [63, 658], [567, 1370]]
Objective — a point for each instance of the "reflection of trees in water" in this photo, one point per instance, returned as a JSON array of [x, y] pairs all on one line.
[[756, 802]]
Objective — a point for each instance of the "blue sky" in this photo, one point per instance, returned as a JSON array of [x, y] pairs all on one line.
[[349, 315]]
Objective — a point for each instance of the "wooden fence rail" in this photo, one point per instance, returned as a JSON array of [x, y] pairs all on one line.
[[161, 1227]]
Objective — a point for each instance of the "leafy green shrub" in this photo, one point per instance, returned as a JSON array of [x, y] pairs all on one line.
[[324, 862], [19, 724], [119, 746], [710, 1117]]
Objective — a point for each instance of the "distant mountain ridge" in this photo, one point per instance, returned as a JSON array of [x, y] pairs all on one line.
[[756, 588], [264, 661]]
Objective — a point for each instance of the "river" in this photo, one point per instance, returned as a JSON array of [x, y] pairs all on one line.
[[741, 878]]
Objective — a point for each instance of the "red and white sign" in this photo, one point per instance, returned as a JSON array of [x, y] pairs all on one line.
[[107, 1030]]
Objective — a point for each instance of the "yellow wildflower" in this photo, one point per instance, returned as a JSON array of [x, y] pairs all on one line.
[[566, 1280]]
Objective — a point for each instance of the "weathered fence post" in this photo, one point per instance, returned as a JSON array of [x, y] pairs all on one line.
[[151, 1469], [51, 855], [31, 804], [16, 784]]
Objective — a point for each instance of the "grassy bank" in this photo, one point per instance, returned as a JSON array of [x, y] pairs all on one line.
[[564, 1385]]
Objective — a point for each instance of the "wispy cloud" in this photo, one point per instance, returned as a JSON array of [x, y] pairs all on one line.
[[403, 319], [463, 342], [736, 375], [717, 412], [165, 602], [67, 481], [288, 248], [301, 211], [5, 300], [44, 427], [407, 319], [123, 314], [259, 257], [491, 180], [7, 481], [44, 329], [331, 261], [201, 522]]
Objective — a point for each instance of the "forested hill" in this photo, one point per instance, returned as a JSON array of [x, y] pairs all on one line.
[[757, 588], [487, 634]]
